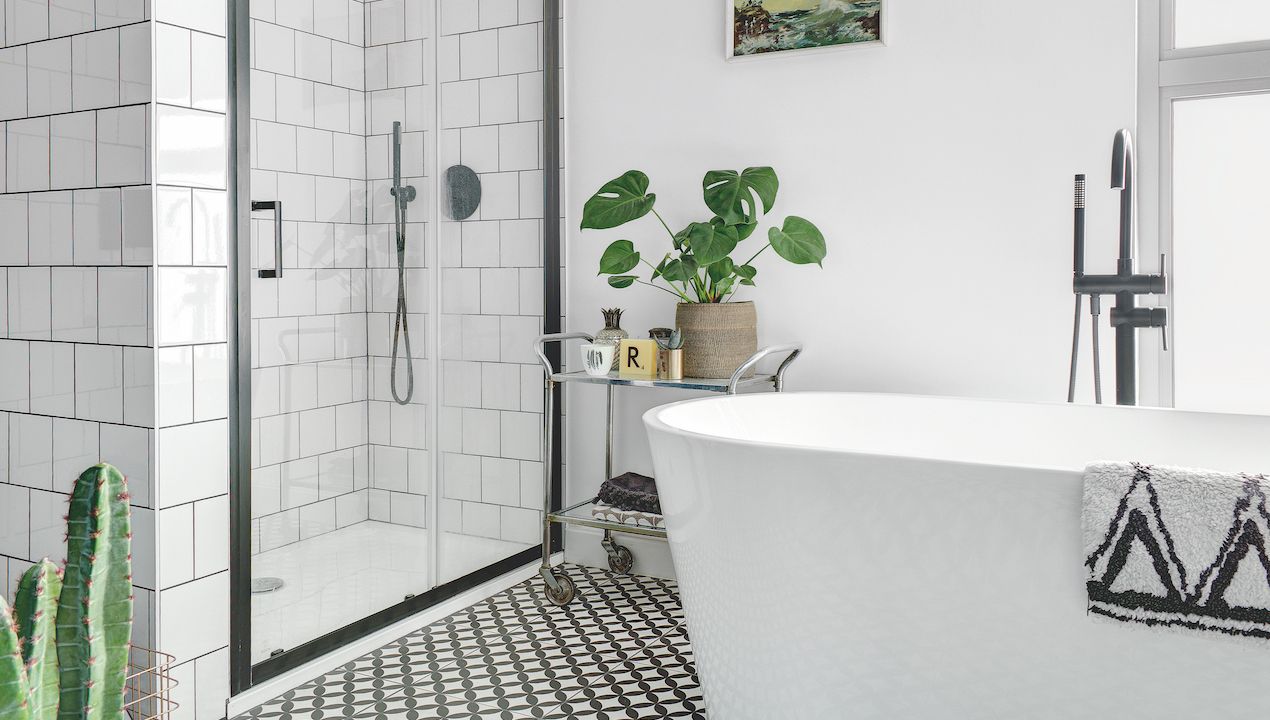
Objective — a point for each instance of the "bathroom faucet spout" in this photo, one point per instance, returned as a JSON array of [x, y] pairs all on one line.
[[1126, 285]]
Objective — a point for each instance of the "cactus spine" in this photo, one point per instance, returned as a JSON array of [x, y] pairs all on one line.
[[36, 610], [94, 617], [15, 691]]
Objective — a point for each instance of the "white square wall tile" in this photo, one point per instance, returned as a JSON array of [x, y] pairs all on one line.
[[29, 303], [518, 50], [348, 66], [15, 519], [138, 386], [138, 226], [49, 77], [209, 72], [175, 546], [210, 227], [313, 57], [13, 218], [26, 21], [98, 217], [27, 155], [51, 216], [206, 15], [191, 305], [15, 385], [13, 79], [123, 304], [68, 17], [211, 536], [75, 449], [499, 100], [73, 150], [497, 13], [190, 147], [99, 383], [134, 63], [387, 22], [53, 379], [198, 454], [460, 104], [74, 299], [122, 157], [174, 220], [111, 13], [459, 16], [95, 69], [31, 451], [211, 382], [195, 618], [48, 528], [175, 387], [172, 73], [128, 448], [478, 54], [518, 146]]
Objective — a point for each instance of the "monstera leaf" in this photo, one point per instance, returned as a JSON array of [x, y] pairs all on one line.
[[798, 241], [709, 246], [620, 201], [731, 194], [620, 257]]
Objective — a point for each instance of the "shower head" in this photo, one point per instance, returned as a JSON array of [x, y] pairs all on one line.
[[1122, 160]]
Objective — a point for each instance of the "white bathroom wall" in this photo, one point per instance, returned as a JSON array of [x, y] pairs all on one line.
[[939, 168], [191, 330], [399, 83], [311, 462], [490, 73], [76, 275]]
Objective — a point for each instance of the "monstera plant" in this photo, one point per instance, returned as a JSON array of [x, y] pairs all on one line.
[[708, 261]]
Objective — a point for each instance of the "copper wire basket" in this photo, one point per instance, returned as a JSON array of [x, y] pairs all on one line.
[[148, 690]]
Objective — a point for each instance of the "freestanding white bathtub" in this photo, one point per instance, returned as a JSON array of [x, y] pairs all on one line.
[[882, 556]]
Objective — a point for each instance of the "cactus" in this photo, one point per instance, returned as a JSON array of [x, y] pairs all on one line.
[[36, 611], [15, 691], [94, 617]]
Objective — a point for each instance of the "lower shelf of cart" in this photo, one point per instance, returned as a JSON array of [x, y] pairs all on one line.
[[580, 514]]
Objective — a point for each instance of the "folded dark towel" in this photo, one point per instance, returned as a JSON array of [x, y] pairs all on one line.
[[631, 491]]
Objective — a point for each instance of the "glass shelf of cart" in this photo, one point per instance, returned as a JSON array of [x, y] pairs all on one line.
[[718, 385]]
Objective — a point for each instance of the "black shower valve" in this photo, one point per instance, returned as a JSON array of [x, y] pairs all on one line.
[[1141, 317]]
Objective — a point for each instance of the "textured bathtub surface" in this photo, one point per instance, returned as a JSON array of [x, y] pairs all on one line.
[[619, 651]]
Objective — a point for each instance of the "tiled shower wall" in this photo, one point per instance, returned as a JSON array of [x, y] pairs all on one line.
[[490, 73], [311, 462], [76, 245], [400, 86]]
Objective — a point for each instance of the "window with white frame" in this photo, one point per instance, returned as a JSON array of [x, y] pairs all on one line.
[[1204, 126]]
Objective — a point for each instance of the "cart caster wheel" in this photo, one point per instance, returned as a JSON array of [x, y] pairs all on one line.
[[567, 590], [621, 560]]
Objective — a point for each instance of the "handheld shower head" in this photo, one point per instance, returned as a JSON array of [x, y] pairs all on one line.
[[1122, 160]]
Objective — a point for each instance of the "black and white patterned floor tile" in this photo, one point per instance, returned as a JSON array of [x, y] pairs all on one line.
[[619, 652]]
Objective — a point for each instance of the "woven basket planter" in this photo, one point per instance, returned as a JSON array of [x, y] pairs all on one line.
[[718, 337]]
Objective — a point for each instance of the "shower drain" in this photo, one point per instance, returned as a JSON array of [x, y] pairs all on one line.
[[265, 585]]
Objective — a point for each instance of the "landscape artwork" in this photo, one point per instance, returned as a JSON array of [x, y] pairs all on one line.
[[777, 26]]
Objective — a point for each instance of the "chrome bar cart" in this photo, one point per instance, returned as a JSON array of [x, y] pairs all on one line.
[[559, 588]]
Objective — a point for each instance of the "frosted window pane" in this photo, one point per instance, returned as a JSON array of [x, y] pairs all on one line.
[[1198, 23], [1221, 253]]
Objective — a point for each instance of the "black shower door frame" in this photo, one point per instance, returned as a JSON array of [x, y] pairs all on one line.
[[243, 674]]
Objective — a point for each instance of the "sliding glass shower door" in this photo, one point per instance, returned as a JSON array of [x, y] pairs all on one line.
[[396, 250]]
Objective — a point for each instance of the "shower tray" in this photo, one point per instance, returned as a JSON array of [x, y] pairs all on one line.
[[558, 587]]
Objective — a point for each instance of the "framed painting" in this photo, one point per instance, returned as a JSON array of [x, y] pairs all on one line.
[[758, 28]]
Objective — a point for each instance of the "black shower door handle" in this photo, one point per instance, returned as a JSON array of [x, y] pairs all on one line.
[[276, 207]]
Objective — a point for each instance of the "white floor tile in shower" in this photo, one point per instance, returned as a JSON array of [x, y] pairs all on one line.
[[332, 580]]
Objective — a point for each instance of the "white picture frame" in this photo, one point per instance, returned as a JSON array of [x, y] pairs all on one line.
[[729, 37]]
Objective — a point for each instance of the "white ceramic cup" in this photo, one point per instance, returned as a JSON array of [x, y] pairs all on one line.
[[597, 359]]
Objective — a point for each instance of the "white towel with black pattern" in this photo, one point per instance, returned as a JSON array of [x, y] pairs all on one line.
[[1171, 547]]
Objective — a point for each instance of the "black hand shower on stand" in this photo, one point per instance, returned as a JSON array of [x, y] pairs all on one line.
[[402, 196], [1095, 309]]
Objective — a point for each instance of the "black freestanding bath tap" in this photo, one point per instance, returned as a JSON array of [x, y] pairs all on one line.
[[1126, 317]]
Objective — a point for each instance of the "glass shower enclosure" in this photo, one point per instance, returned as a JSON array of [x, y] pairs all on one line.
[[394, 267]]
